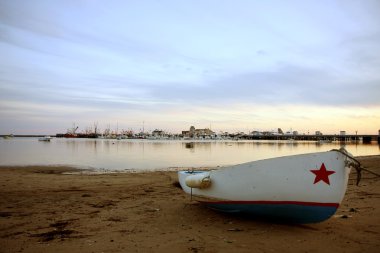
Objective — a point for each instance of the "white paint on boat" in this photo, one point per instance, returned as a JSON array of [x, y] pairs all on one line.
[[317, 179]]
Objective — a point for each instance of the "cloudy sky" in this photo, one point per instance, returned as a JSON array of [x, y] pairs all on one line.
[[229, 65]]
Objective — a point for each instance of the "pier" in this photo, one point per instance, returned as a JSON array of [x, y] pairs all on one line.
[[332, 137]]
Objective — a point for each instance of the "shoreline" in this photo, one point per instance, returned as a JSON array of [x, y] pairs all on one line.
[[73, 169], [44, 209]]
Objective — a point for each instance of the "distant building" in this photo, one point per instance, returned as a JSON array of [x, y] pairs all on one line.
[[158, 133], [318, 133], [343, 133], [197, 132], [291, 132]]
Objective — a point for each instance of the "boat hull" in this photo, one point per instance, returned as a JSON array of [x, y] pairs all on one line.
[[294, 212], [302, 188]]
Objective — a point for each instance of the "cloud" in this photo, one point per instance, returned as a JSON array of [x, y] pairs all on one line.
[[285, 85], [146, 58]]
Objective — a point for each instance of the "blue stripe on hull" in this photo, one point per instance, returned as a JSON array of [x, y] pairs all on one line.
[[293, 213]]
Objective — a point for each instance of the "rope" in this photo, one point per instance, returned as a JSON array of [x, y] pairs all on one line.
[[374, 173], [355, 164]]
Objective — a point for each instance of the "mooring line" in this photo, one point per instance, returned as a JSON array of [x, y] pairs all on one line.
[[356, 164]]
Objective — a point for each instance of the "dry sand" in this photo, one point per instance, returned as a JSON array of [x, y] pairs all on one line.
[[43, 210]]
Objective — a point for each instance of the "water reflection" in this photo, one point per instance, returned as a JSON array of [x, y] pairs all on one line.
[[144, 154]]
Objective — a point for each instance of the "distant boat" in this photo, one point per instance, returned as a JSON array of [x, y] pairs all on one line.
[[9, 136], [45, 138], [70, 135], [71, 132], [305, 188]]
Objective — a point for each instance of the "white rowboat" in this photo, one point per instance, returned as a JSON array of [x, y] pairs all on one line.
[[303, 188]]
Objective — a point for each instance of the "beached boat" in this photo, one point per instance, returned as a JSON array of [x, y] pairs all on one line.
[[305, 188], [45, 138]]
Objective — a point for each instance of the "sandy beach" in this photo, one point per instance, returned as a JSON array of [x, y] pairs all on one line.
[[60, 209]]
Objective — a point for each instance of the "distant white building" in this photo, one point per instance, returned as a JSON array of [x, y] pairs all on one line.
[[343, 133], [291, 132], [197, 132]]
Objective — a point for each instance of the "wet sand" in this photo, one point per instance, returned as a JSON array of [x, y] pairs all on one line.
[[42, 209]]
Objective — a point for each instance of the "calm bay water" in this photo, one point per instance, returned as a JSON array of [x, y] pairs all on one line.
[[157, 154]]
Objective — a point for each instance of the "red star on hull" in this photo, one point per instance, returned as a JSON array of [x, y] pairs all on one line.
[[322, 174]]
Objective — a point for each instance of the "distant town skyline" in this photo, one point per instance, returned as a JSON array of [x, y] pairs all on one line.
[[148, 129], [226, 65]]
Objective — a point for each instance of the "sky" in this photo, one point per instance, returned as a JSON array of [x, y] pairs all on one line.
[[226, 65]]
